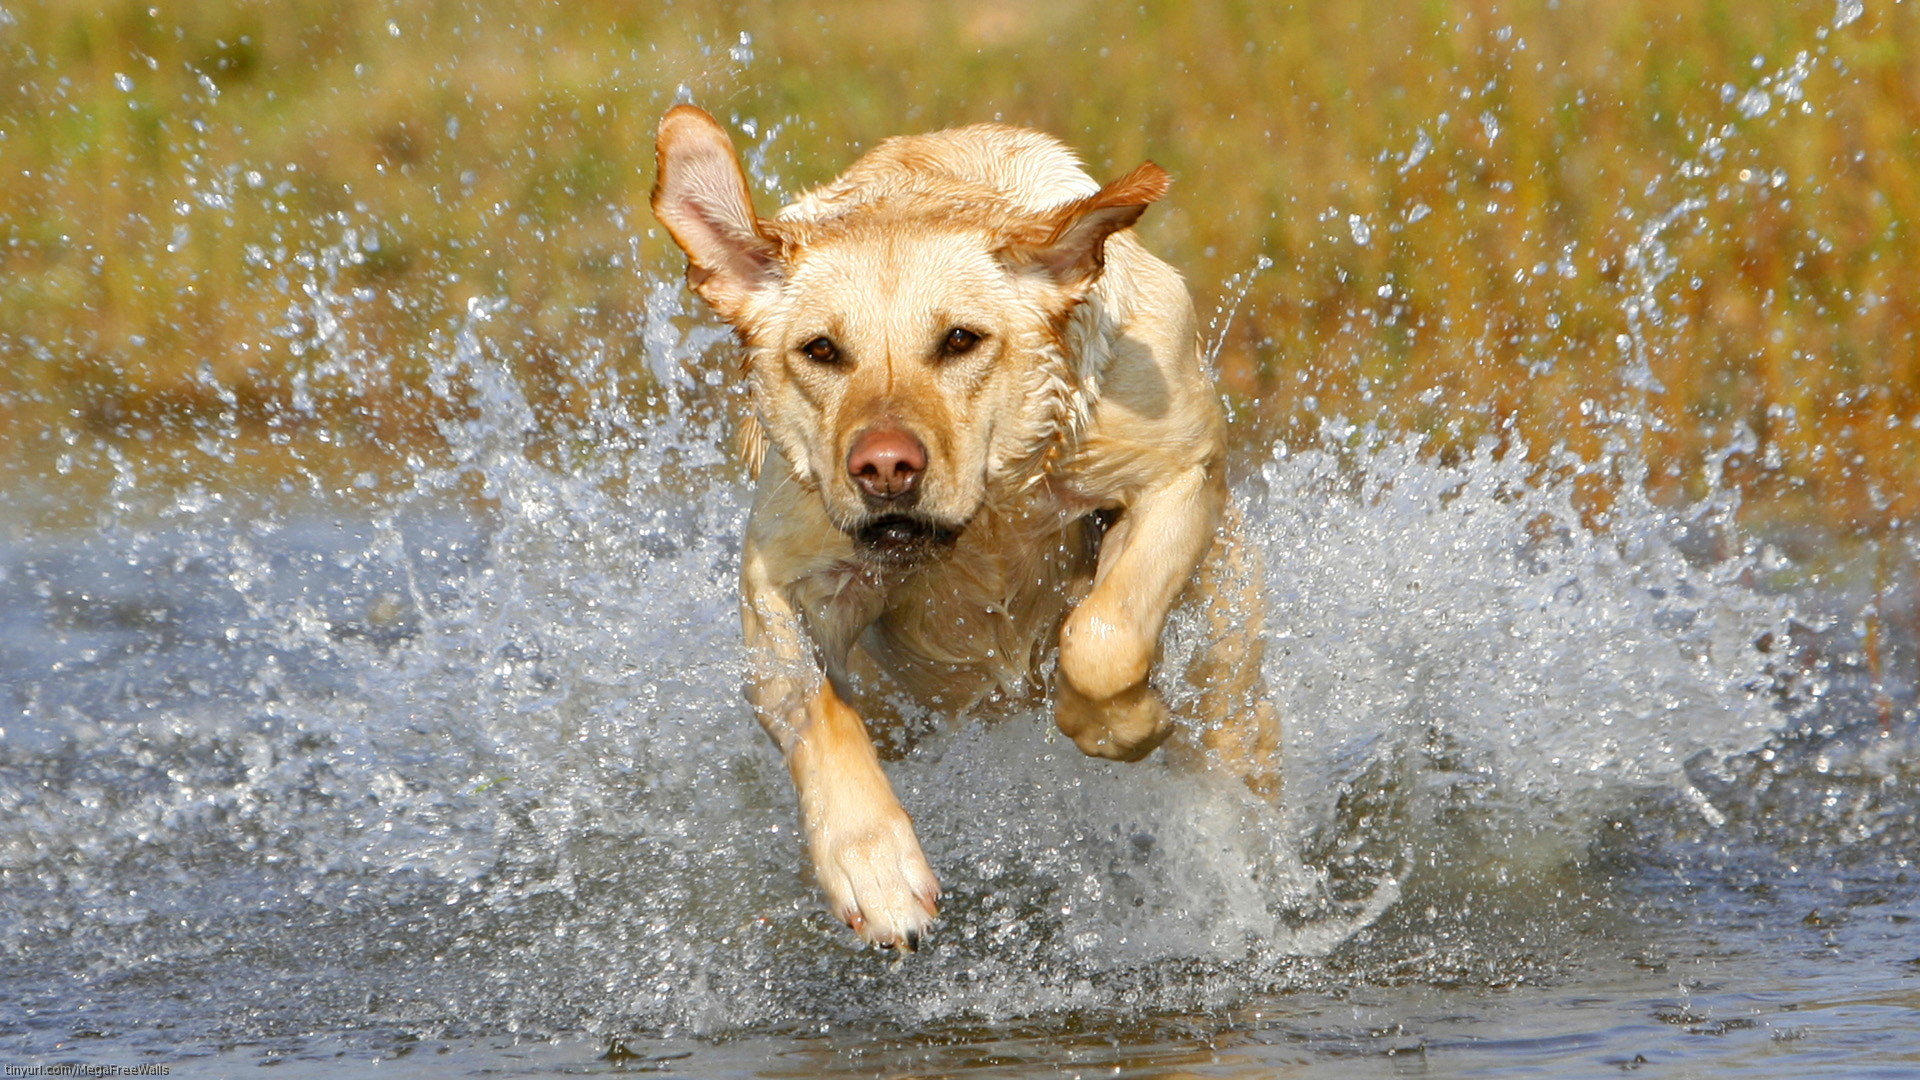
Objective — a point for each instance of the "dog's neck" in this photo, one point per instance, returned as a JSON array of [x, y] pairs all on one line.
[[1060, 401]]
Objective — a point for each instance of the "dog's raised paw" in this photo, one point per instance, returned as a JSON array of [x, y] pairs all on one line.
[[1125, 727]]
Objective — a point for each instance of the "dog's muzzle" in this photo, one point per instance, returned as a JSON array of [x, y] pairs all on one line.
[[904, 539]]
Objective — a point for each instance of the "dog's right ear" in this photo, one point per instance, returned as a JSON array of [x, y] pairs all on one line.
[[701, 197]]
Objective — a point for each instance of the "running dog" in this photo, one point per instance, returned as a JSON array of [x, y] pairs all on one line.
[[990, 465]]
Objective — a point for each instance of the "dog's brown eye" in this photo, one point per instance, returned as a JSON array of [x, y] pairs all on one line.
[[820, 351], [959, 341]]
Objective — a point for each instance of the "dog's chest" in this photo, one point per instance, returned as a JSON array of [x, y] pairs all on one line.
[[985, 617]]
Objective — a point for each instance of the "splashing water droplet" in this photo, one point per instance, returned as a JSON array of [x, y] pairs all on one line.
[[1422, 146]]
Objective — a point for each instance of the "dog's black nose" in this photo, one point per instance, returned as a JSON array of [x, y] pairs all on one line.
[[886, 462]]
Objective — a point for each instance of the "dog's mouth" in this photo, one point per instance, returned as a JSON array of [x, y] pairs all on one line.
[[902, 539]]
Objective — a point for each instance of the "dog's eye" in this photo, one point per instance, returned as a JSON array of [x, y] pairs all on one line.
[[959, 341], [820, 351]]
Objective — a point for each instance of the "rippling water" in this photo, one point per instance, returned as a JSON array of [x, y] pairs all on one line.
[[461, 777]]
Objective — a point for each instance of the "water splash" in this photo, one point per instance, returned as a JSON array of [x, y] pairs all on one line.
[[492, 722]]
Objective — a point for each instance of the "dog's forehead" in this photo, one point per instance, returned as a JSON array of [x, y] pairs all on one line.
[[900, 269]]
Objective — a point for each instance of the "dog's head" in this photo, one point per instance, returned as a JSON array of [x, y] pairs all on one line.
[[893, 349]]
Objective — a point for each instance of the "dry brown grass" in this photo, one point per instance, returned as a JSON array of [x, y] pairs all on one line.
[[178, 177]]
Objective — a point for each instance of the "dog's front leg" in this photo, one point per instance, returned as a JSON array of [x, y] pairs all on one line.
[[1103, 700], [865, 854]]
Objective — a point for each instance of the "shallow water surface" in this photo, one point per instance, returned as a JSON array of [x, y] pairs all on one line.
[[466, 787]]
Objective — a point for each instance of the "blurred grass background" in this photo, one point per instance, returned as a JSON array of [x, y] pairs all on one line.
[[1520, 221]]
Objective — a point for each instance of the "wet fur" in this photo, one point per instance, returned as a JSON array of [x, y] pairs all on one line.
[[1074, 484]]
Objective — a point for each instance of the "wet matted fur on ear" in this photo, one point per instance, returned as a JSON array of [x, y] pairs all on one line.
[[1068, 245]]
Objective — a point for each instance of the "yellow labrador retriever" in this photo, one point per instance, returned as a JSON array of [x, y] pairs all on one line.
[[986, 429]]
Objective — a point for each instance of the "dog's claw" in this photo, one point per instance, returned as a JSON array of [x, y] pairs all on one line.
[[913, 941]]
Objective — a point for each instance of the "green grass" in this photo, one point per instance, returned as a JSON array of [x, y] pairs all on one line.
[[176, 178]]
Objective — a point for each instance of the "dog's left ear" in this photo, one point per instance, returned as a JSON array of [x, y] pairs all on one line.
[[1068, 245]]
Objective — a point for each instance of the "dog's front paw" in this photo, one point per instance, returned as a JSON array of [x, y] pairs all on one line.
[[876, 879], [1125, 727], [865, 855]]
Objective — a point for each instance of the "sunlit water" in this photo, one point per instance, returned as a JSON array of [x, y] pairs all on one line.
[[448, 768], [466, 761]]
